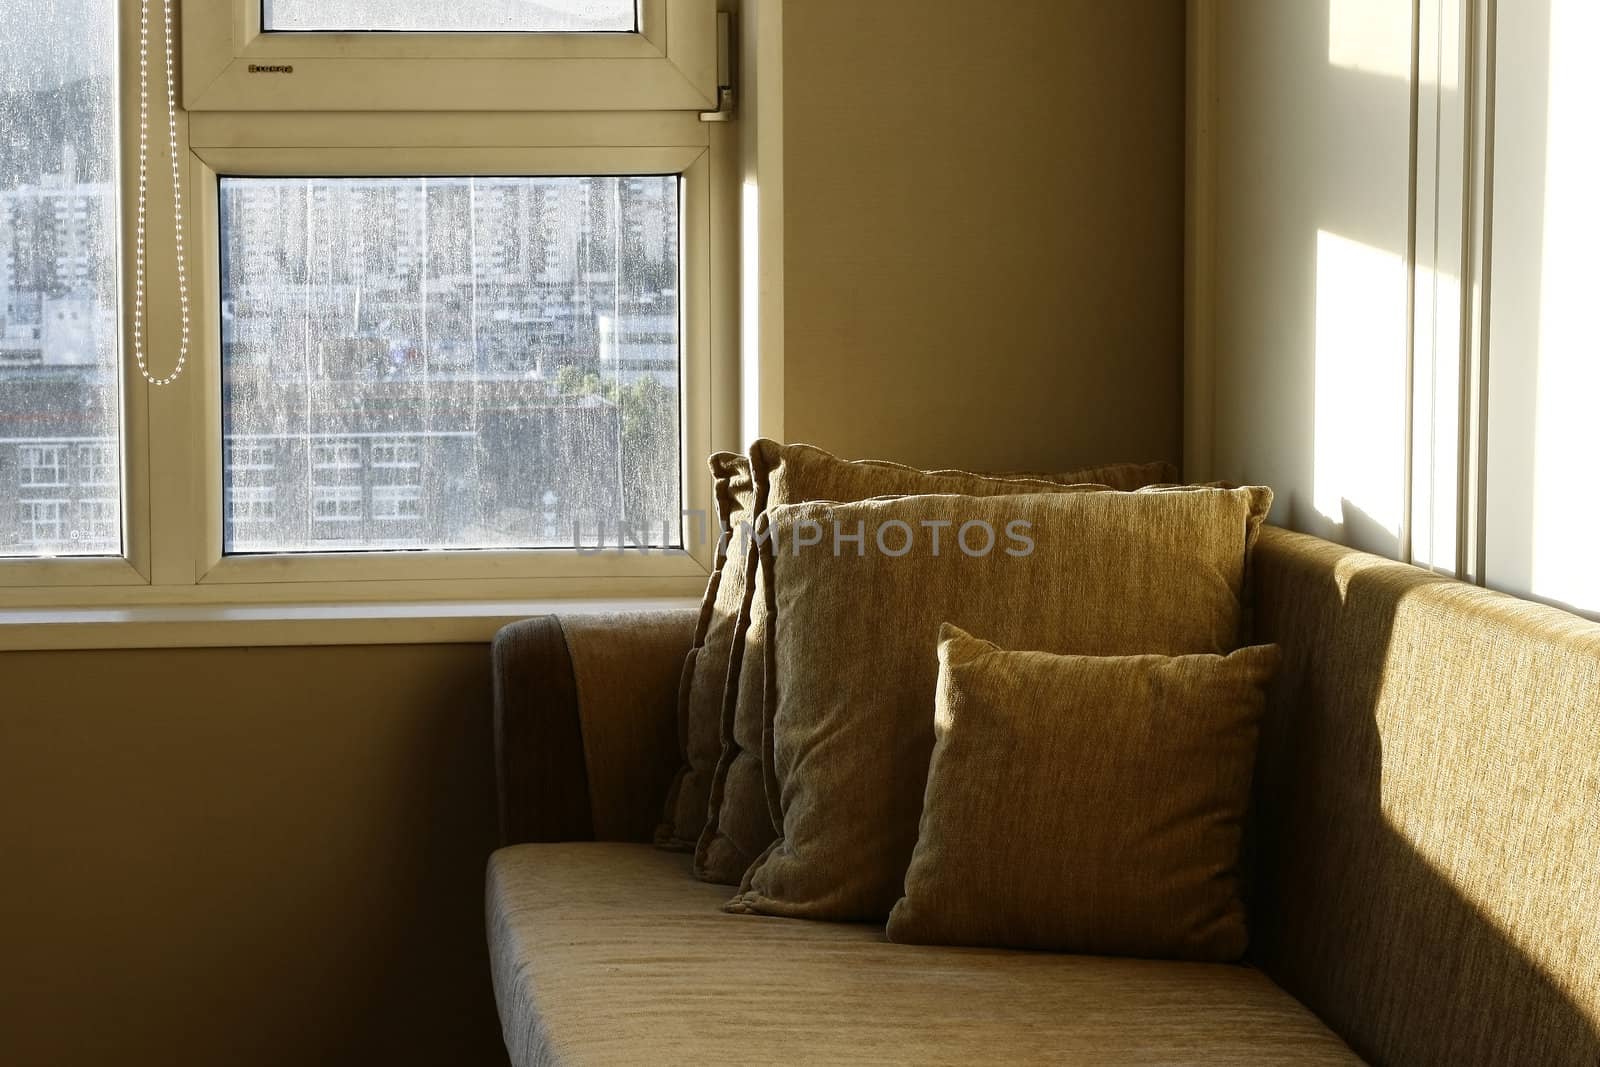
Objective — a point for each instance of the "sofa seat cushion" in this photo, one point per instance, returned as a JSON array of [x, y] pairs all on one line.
[[612, 954]]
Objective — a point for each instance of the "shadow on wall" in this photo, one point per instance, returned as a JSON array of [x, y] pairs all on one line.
[[1357, 527], [1347, 914]]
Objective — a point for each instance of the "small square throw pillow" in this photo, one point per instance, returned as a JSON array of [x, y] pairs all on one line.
[[1086, 804]]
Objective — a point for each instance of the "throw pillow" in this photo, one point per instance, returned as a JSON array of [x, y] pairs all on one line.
[[742, 819], [705, 671], [849, 681], [1086, 804]]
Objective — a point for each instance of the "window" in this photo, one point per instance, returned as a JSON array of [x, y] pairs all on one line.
[[335, 457], [43, 524], [97, 520], [97, 465], [59, 348], [430, 16], [251, 505], [42, 466], [243, 456], [334, 505], [396, 454], [488, 342], [430, 355], [396, 503]]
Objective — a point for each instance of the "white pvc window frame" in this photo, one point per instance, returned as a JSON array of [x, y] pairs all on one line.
[[691, 163], [172, 446], [230, 63]]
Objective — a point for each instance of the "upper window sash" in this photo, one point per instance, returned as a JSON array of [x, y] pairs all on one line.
[[231, 64]]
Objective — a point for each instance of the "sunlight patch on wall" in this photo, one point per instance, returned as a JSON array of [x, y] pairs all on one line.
[[1566, 506], [750, 313], [1436, 424], [1360, 391], [1372, 37]]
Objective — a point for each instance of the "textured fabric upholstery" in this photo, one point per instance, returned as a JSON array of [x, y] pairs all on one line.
[[583, 705], [743, 816], [705, 670], [612, 954], [1428, 811], [850, 679], [1422, 871], [540, 778], [1064, 808], [627, 668]]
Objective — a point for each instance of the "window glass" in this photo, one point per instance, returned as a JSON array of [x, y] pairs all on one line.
[[430, 16], [59, 428], [1544, 361], [450, 363]]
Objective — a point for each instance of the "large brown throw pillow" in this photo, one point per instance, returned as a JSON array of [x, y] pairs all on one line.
[[705, 671], [1086, 804], [743, 820], [850, 670]]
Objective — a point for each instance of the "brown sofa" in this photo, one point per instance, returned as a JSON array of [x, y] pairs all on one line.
[[1424, 863]]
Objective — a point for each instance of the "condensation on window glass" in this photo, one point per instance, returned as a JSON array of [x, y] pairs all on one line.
[[461, 16], [450, 363], [59, 431]]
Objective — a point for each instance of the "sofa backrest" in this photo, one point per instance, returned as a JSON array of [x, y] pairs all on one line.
[[1425, 849]]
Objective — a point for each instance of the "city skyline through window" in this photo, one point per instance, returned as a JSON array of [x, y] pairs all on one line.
[[59, 339], [450, 363]]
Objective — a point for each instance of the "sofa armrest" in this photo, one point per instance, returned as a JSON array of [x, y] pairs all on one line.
[[586, 723]]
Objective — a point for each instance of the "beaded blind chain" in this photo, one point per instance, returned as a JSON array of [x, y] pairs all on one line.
[[144, 186]]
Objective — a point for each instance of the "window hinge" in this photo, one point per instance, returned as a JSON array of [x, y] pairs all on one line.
[[724, 112], [725, 96]]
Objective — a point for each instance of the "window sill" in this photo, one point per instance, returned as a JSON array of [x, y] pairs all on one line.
[[233, 626]]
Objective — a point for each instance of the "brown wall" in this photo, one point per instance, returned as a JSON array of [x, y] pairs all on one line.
[[245, 856], [983, 230], [274, 856]]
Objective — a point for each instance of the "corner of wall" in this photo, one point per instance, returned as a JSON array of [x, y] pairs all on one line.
[[1199, 357]]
